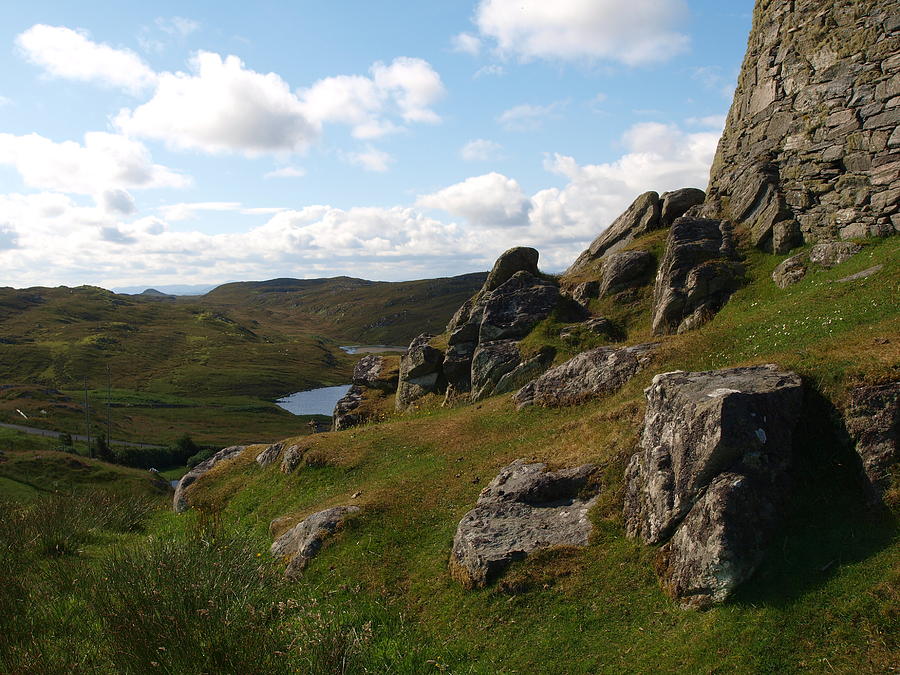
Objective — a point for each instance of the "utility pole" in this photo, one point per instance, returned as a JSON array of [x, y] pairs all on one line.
[[87, 419]]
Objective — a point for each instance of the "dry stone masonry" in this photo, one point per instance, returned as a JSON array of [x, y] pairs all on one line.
[[811, 147]]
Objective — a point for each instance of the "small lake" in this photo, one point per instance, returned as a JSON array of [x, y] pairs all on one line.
[[372, 349], [313, 402]]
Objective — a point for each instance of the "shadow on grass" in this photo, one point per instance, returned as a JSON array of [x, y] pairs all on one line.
[[827, 523]]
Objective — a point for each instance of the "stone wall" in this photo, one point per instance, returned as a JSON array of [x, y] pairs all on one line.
[[811, 148]]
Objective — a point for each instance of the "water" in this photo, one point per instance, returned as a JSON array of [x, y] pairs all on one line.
[[372, 349], [313, 402], [174, 483]]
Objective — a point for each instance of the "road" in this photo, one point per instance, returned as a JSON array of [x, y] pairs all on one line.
[[75, 437]]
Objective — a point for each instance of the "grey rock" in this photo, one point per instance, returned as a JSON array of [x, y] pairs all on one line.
[[873, 421], [420, 372], [625, 270], [829, 254], [303, 542], [492, 360], [585, 292], [639, 219], [696, 276], [790, 271], [513, 309], [346, 410], [676, 203], [711, 473], [371, 372], [518, 259], [786, 235], [599, 325], [458, 366], [524, 509], [180, 501], [292, 458], [865, 274], [270, 455], [588, 375], [525, 372]]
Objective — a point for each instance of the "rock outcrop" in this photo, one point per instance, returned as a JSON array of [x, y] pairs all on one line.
[[518, 259], [270, 455], [873, 421], [677, 202], [827, 254], [516, 306], [697, 275], [524, 509], [625, 270], [590, 374], [372, 372], [346, 410], [180, 501], [302, 542], [711, 474], [420, 372], [810, 147], [492, 360]]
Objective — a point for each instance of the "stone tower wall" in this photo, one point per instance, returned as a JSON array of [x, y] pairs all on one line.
[[811, 148]]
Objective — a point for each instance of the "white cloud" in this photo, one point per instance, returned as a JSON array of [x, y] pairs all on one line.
[[4, 101], [117, 202], [490, 70], [632, 32], [222, 107], [528, 117], [415, 85], [371, 159], [466, 43], [177, 25], [286, 172], [70, 54], [711, 77], [189, 210], [9, 238], [105, 161], [491, 200], [480, 150]]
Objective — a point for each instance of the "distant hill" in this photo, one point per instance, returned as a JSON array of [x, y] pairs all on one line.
[[173, 289]]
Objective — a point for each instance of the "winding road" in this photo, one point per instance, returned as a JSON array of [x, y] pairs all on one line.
[[75, 437]]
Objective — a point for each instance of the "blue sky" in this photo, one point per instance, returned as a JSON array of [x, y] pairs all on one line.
[[199, 142]]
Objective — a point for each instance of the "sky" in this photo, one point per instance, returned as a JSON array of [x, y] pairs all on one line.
[[197, 142]]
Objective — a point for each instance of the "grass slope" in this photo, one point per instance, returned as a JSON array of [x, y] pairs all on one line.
[[827, 598]]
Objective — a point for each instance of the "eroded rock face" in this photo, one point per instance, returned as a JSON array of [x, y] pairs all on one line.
[[625, 270], [292, 458], [711, 474], [180, 501], [302, 543], [811, 136], [492, 360], [677, 202], [585, 292], [518, 259], [590, 374], [513, 308], [372, 372], [270, 455], [697, 275], [827, 254], [524, 509], [420, 372], [873, 421], [639, 219], [346, 410]]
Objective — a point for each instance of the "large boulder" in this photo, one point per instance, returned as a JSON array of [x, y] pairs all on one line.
[[711, 474], [696, 276], [346, 410], [677, 202], [625, 270], [590, 374], [873, 421], [826, 254], [372, 372], [518, 259], [638, 219], [525, 372], [513, 308], [302, 542], [270, 455], [180, 501], [524, 509], [420, 372], [492, 360]]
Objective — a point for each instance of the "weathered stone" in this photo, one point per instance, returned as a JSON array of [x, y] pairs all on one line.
[[588, 375], [513, 309], [292, 458], [458, 365], [524, 509], [585, 292], [270, 455], [346, 410], [639, 219], [372, 372], [303, 542], [873, 421], [420, 372], [696, 276], [712, 470], [676, 203], [790, 271], [519, 259], [525, 372], [865, 274], [598, 326], [180, 501], [492, 360], [625, 270], [831, 253], [786, 235]]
